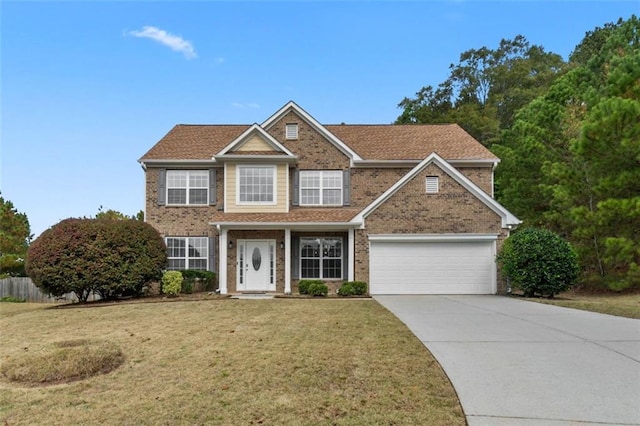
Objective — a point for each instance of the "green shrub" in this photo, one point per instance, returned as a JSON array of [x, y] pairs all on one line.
[[172, 282], [112, 257], [12, 299], [359, 287], [187, 286], [303, 285], [538, 261], [346, 289], [193, 276], [318, 288]]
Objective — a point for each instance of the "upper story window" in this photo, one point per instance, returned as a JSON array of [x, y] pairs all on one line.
[[187, 187], [187, 252], [291, 131], [256, 184], [321, 187], [432, 185]]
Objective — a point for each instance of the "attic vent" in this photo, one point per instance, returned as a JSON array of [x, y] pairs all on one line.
[[291, 131], [432, 184]]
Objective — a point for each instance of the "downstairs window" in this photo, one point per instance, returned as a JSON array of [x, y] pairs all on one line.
[[187, 253]]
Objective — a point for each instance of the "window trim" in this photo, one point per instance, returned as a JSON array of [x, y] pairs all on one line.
[[186, 257], [187, 187], [321, 258], [321, 188], [274, 170]]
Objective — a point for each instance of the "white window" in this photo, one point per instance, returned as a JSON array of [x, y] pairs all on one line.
[[291, 131], [321, 188], [321, 258], [187, 187], [256, 184], [432, 185], [188, 253]]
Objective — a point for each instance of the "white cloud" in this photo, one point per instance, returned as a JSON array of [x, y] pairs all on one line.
[[174, 42]]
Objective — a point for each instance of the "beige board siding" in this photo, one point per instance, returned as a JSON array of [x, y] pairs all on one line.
[[281, 206], [255, 143]]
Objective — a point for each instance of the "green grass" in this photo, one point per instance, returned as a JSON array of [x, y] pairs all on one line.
[[623, 305], [282, 361]]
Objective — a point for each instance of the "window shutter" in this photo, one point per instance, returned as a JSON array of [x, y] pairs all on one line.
[[162, 187], [296, 188], [346, 187], [212, 187], [212, 254], [295, 257], [345, 260]]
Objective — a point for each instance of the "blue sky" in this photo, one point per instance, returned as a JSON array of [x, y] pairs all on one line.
[[88, 87]]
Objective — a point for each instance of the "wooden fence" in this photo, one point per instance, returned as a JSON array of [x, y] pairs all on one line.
[[24, 288]]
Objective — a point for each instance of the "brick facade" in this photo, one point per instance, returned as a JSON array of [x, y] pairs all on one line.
[[410, 210], [314, 152]]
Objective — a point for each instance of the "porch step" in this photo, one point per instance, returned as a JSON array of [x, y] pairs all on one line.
[[253, 296]]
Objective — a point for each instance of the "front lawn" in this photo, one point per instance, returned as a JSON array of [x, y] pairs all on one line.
[[279, 361], [623, 305]]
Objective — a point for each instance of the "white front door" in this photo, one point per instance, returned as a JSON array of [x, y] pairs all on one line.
[[256, 265]]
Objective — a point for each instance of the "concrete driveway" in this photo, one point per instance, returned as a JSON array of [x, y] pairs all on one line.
[[515, 362]]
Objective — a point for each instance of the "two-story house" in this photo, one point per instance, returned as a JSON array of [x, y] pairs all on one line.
[[408, 209]]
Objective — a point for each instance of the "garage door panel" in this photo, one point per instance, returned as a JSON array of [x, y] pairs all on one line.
[[432, 267]]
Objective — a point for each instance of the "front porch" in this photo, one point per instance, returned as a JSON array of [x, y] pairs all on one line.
[[273, 258]]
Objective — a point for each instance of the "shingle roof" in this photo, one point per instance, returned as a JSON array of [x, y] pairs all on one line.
[[194, 142], [371, 142], [411, 142], [295, 215]]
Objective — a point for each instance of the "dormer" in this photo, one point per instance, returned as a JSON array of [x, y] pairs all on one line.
[[256, 173]]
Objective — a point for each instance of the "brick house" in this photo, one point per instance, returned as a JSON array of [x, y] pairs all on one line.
[[408, 209]]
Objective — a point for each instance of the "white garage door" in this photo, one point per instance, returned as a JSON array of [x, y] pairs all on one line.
[[408, 267]]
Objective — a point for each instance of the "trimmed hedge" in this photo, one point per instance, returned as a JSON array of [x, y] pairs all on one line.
[[303, 285], [353, 288], [318, 289], [193, 276], [172, 282], [538, 261]]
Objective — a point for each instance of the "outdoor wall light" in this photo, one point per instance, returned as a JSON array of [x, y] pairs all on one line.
[[282, 245], [230, 244]]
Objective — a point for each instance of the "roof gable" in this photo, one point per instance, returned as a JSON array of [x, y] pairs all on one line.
[[508, 219], [265, 143], [292, 106]]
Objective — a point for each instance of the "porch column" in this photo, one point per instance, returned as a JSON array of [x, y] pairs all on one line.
[[352, 258], [222, 262], [287, 261]]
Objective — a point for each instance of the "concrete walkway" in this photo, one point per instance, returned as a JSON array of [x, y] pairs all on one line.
[[515, 362]]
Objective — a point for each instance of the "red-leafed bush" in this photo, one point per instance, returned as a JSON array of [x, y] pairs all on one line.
[[112, 257]]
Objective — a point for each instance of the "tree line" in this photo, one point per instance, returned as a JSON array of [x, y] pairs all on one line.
[[567, 133]]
